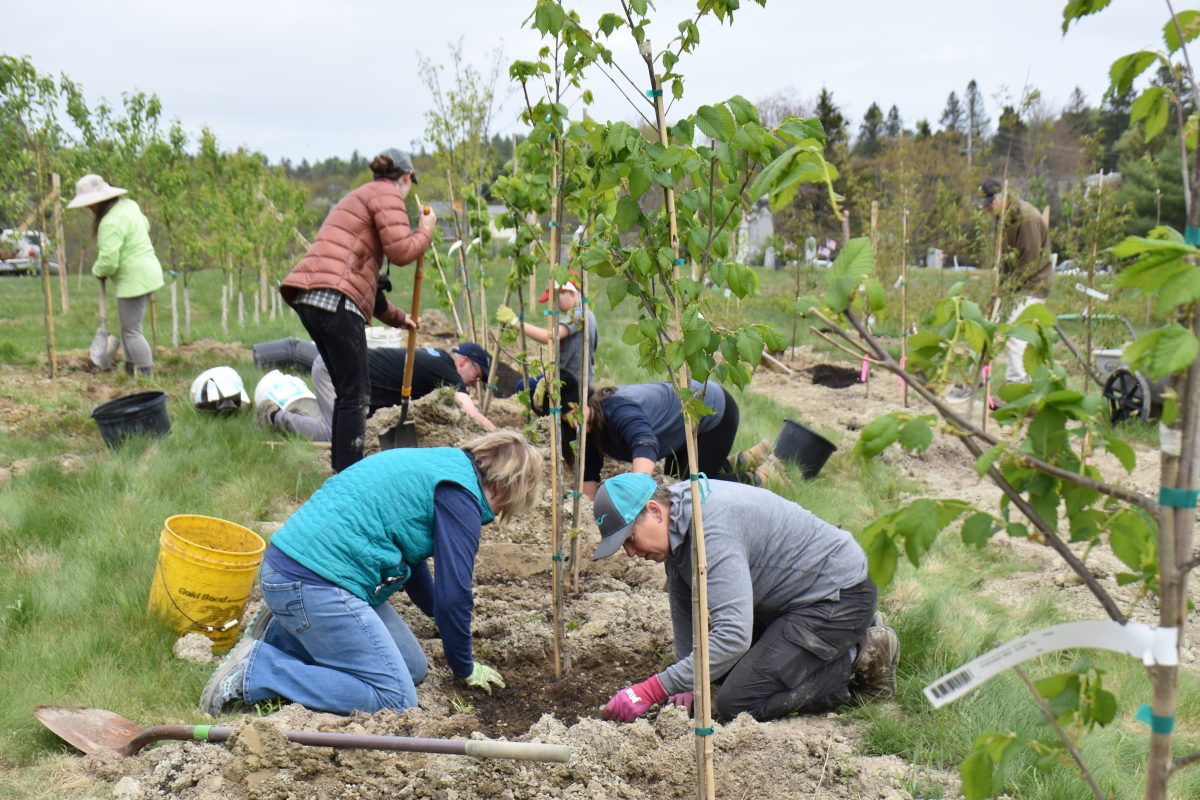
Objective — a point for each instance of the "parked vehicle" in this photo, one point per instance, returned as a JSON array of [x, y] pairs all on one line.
[[21, 253]]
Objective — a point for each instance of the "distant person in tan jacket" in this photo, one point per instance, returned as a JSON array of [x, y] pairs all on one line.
[[336, 288], [1026, 270]]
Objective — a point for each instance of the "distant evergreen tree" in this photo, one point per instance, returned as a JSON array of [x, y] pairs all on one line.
[[923, 131], [894, 125], [1112, 122], [870, 132], [952, 116], [1143, 176], [977, 121], [1078, 115], [1007, 149], [831, 119]]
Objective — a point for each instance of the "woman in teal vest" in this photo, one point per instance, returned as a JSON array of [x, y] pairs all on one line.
[[332, 641], [125, 254]]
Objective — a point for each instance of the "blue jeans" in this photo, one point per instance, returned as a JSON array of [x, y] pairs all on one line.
[[329, 651]]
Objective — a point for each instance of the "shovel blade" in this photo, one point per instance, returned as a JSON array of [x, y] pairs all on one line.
[[403, 434], [88, 729], [104, 348]]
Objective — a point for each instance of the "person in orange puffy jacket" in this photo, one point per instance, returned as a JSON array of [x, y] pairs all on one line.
[[336, 288]]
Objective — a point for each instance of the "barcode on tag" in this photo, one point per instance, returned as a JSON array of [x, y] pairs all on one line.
[[942, 688]]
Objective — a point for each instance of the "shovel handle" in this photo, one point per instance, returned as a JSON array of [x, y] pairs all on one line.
[[103, 302], [410, 358], [521, 751]]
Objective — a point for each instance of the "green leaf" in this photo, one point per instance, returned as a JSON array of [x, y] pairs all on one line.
[[876, 295], [743, 110], [1103, 706], [632, 335], [616, 288], [1131, 540], [1081, 8], [1121, 451], [878, 435], [1126, 69], [1053, 685], [716, 122], [853, 263], [918, 524], [639, 179], [976, 770], [750, 345], [1189, 23], [1037, 312], [987, 458], [1163, 351], [882, 558], [795, 129], [1154, 108], [978, 529], [1047, 433], [915, 435], [628, 213]]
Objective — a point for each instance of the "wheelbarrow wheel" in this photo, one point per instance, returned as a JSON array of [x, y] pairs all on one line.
[[1128, 396]]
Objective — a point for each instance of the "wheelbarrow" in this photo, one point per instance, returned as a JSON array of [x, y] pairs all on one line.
[[1130, 394]]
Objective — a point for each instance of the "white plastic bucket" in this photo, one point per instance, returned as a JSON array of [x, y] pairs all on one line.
[[288, 392], [379, 336]]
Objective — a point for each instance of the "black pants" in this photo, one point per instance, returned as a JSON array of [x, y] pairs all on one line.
[[712, 447], [800, 661], [342, 343]]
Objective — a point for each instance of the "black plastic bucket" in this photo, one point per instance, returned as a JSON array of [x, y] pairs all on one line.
[[144, 413], [803, 447], [285, 354]]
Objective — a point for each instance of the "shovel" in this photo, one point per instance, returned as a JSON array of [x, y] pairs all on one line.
[[104, 345], [91, 730], [404, 433]]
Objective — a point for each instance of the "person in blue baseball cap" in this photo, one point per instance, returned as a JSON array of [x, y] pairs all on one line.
[[463, 366], [794, 620]]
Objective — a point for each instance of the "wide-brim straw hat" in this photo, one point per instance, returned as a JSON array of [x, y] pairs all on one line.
[[92, 189]]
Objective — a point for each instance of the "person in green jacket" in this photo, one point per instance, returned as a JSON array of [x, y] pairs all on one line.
[[125, 254], [332, 640]]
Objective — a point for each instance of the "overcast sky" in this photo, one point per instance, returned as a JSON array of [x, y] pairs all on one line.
[[316, 78]]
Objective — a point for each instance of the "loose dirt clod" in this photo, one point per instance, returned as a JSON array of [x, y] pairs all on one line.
[[195, 647]]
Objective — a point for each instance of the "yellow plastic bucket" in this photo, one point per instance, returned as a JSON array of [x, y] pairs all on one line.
[[202, 579]]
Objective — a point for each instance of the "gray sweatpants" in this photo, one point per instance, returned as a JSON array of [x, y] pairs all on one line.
[[132, 310], [319, 430]]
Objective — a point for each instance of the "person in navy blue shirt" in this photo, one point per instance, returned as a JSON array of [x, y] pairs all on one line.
[[642, 423]]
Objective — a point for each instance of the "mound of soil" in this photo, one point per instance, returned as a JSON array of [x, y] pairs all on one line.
[[833, 376]]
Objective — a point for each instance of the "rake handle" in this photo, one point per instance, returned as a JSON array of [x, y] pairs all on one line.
[[521, 751]]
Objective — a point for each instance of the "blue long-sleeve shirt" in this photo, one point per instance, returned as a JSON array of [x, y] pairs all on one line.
[[457, 520]]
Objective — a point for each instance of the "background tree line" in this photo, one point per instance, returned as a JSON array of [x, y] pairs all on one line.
[[215, 207]]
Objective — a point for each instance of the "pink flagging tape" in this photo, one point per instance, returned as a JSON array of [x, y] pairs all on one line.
[[866, 368]]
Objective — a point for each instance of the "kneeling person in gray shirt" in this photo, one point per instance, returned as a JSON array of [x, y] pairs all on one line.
[[794, 626]]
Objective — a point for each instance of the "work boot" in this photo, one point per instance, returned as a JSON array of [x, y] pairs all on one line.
[[770, 471], [873, 674], [752, 458], [225, 685], [266, 414]]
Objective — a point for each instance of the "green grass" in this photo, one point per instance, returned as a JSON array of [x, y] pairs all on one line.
[[78, 545], [943, 623]]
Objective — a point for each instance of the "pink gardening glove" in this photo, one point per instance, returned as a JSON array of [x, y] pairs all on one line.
[[683, 700], [633, 701]]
